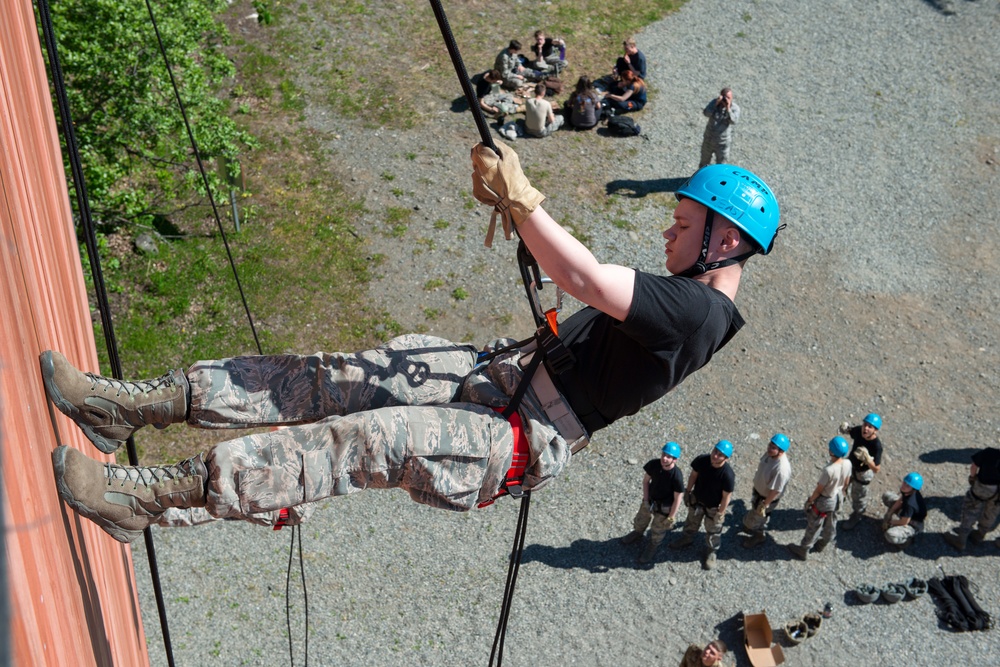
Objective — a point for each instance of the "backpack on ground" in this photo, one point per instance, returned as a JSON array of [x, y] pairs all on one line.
[[623, 126]]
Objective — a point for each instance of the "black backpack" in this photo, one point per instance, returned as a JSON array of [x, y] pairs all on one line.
[[623, 126]]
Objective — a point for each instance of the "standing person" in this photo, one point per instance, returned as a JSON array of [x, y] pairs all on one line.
[[822, 505], [632, 96], [539, 119], [662, 489], [982, 501], [769, 482], [585, 105], [710, 656], [866, 462], [550, 54], [419, 413], [722, 113], [709, 490], [907, 511]]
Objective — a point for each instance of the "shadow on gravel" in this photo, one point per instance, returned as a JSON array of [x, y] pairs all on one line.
[[638, 189], [954, 455], [591, 555]]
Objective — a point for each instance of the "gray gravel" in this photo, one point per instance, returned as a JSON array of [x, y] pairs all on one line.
[[876, 123]]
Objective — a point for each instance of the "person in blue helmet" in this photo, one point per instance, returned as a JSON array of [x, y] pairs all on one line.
[[709, 489], [823, 503], [769, 482], [866, 462], [904, 518], [421, 413], [662, 490]]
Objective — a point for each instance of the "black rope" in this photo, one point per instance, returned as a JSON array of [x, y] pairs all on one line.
[[100, 290], [517, 551], [253, 328]]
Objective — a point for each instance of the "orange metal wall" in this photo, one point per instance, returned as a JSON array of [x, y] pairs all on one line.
[[72, 588]]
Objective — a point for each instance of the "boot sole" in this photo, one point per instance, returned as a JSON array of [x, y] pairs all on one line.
[[70, 410], [59, 467]]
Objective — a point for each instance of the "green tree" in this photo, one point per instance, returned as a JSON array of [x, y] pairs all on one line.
[[137, 158]]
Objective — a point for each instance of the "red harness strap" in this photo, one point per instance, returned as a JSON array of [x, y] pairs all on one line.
[[519, 461]]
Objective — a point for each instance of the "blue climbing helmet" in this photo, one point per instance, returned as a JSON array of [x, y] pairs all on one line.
[[914, 480], [725, 447], [672, 449], [739, 196], [839, 447], [874, 420], [781, 441]]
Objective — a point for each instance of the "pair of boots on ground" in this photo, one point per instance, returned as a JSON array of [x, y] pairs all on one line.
[[123, 500]]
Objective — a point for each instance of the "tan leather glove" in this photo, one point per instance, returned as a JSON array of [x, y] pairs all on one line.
[[761, 510], [502, 185], [845, 428], [862, 454]]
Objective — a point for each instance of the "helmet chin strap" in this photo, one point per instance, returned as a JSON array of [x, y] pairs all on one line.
[[701, 266]]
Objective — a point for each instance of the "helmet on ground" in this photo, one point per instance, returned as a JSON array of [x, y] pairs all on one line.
[[914, 480], [725, 447], [839, 447], [672, 449], [739, 196], [781, 441], [873, 420]]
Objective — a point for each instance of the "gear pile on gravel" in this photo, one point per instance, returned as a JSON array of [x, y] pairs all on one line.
[[876, 123]]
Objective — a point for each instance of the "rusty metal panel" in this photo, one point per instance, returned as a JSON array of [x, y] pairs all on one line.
[[72, 587]]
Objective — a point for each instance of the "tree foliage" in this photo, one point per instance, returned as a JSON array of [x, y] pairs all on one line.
[[136, 154]]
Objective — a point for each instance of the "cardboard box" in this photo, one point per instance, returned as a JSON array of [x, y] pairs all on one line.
[[757, 638]]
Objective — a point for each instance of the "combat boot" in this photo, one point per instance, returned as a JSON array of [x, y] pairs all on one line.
[[631, 537], [852, 521], [819, 546], [109, 411], [685, 540], [977, 537], [648, 553], [798, 551], [755, 540], [124, 500], [957, 540]]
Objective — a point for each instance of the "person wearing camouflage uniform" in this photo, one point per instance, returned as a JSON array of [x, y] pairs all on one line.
[[981, 504], [662, 490], [866, 462], [905, 512], [823, 503], [420, 413], [722, 113], [709, 489], [769, 482]]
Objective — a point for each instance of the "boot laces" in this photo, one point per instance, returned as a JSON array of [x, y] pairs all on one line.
[[146, 476], [165, 381]]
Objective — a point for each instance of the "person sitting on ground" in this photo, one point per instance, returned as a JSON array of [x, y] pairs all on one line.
[[419, 413], [710, 656], [508, 63], [907, 511], [632, 97], [549, 54], [492, 100], [585, 105], [633, 60], [539, 120]]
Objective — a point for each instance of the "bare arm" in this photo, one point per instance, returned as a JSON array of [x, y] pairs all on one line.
[[607, 287], [724, 505], [677, 503], [645, 488]]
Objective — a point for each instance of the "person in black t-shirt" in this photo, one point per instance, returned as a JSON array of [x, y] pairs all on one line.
[[709, 489], [662, 489], [982, 501], [419, 413], [866, 462], [904, 519]]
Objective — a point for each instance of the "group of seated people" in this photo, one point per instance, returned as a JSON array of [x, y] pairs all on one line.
[[622, 91]]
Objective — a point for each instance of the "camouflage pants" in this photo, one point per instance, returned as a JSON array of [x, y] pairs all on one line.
[[658, 516], [713, 520], [981, 505], [821, 521], [754, 522], [713, 145], [859, 491], [898, 535], [411, 414]]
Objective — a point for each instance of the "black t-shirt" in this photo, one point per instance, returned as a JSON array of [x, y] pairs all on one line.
[[673, 328], [988, 461], [663, 484], [712, 482], [913, 507], [483, 87], [874, 448]]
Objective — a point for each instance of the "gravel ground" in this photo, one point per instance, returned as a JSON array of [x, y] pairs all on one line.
[[876, 123]]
